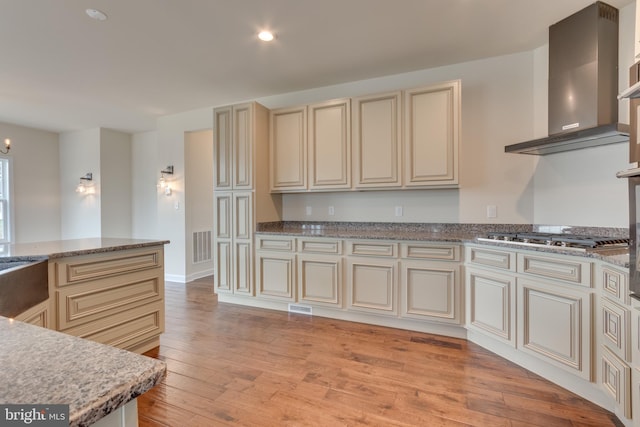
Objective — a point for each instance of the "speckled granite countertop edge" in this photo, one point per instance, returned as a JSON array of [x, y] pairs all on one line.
[[74, 247], [443, 232], [41, 366]]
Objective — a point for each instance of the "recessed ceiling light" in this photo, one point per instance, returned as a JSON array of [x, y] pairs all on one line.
[[96, 14], [266, 36]]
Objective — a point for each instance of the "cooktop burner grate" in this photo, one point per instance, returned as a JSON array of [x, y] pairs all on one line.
[[558, 239]]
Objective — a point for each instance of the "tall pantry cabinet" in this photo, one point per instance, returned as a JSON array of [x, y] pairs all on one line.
[[241, 192]]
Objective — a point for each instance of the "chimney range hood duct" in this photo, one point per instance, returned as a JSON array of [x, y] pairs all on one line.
[[583, 84]]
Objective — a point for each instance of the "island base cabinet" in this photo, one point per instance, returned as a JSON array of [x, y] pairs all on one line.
[[372, 285], [554, 324], [137, 332], [38, 315], [490, 304], [431, 291], [114, 298]]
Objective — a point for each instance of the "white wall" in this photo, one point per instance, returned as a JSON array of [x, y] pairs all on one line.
[[36, 183], [115, 183], [80, 212], [199, 196], [144, 181]]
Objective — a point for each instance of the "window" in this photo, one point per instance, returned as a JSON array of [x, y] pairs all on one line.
[[5, 219]]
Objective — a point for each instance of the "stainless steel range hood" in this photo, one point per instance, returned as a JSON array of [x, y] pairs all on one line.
[[583, 84]]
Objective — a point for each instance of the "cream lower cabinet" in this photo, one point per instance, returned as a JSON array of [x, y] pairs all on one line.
[[554, 324], [320, 272], [372, 277], [491, 302], [430, 285], [113, 298], [275, 263], [39, 315], [613, 328], [233, 244], [555, 306], [491, 292]]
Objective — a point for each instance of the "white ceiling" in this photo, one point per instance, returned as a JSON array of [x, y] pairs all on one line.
[[61, 70]]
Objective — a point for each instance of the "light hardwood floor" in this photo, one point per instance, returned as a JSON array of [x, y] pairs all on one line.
[[234, 365]]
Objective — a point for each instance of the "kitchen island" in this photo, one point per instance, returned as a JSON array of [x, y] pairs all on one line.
[[98, 382], [107, 290]]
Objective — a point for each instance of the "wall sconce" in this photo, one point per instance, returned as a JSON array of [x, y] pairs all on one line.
[[7, 146], [163, 184], [82, 187]]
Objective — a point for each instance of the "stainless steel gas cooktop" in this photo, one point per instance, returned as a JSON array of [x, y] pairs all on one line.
[[563, 241]]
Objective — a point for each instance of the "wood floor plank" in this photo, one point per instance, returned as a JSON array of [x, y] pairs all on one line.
[[232, 365]]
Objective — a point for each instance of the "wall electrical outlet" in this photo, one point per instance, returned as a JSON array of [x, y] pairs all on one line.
[[332, 211], [398, 210], [492, 211], [308, 210]]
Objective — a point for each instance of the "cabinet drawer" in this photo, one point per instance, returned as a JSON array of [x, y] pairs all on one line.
[[431, 251], [616, 380], [613, 283], [91, 267], [126, 331], [569, 269], [615, 322], [381, 249], [106, 297], [314, 246], [275, 244], [494, 258]]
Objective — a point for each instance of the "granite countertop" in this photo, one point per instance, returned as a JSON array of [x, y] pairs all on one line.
[[73, 247], [41, 366], [445, 232]]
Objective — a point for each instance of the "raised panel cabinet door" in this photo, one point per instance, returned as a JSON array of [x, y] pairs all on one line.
[[243, 146], [276, 276], [491, 304], [372, 285], [223, 219], [431, 291], [432, 129], [329, 145], [223, 148], [242, 215], [377, 138], [554, 324], [320, 280], [242, 268], [223, 266], [288, 149], [616, 380]]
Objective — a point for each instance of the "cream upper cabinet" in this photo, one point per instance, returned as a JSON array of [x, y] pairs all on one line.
[[235, 133], [432, 132], [329, 145], [403, 139], [376, 142], [288, 149]]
